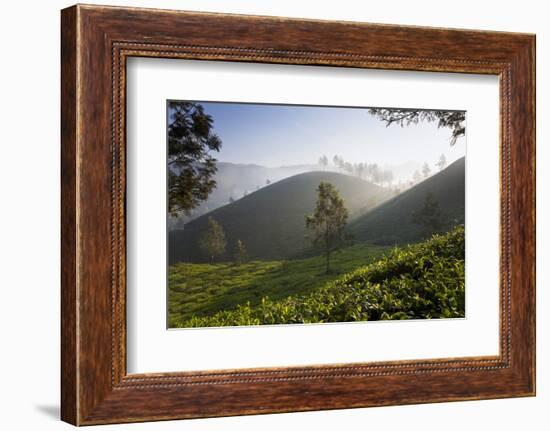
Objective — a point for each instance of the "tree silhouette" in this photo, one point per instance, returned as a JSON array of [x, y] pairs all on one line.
[[428, 216], [426, 170], [405, 117], [338, 162], [328, 221], [239, 253], [323, 161], [213, 242], [191, 166], [442, 162]]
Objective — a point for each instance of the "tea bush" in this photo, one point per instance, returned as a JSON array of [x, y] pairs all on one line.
[[421, 281]]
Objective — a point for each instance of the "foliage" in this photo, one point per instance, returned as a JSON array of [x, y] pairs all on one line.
[[328, 221], [204, 289], [323, 161], [239, 253], [405, 117], [422, 281], [426, 170], [429, 215], [191, 166], [442, 162], [212, 241]]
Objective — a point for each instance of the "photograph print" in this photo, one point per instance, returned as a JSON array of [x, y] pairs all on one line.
[[296, 214]]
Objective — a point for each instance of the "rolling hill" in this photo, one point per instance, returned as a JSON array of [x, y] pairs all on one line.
[[391, 222], [233, 180], [270, 221]]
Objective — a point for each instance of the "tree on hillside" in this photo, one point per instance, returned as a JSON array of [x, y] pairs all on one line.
[[359, 169], [213, 242], [231, 199], [323, 161], [442, 162], [328, 221], [453, 120], [426, 170], [348, 167], [416, 177], [338, 162], [428, 216], [239, 252], [374, 173], [191, 166], [268, 182]]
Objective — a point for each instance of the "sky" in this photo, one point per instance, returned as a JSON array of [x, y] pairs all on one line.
[[282, 135]]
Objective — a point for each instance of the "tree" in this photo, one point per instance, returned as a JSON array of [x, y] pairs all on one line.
[[336, 161], [374, 173], [339, 162], [416, 177], [405, 117], [426, 170], [328, 221], [239, 252], [231, 200], [267, 182], [428, 216], [213, 242], [360, 169], [442, 162], [348, 167], [191, 166], [323, 161]]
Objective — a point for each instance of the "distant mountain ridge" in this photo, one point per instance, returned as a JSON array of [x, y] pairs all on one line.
[[271, 221]]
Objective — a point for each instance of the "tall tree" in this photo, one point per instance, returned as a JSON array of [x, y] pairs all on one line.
[[416, 177], [442, 162], [191, 165], [213, 242], [239, 252], [328, 221], [453, 120], [428, 216], [323, 161], [360, 169], [426, 170], [348, 167]]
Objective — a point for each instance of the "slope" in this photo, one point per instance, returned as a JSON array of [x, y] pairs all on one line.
[[392, 222], [270, 222]]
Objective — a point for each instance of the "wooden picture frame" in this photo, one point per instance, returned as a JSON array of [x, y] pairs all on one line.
[[95, 43]]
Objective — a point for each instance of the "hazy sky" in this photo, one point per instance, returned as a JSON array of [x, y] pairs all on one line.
[[277, 135]]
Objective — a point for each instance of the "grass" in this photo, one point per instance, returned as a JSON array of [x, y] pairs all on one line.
[[197, 290], [422, 281]]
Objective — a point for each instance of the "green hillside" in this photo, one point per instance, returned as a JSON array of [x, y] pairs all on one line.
[[421, 281], [270, 222], [392, 222], [200, 289]]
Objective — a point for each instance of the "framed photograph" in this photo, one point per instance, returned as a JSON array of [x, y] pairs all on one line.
[[264, 215]]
